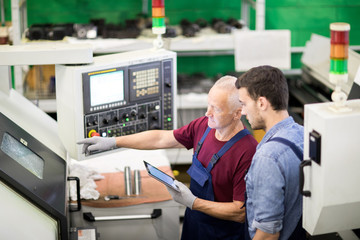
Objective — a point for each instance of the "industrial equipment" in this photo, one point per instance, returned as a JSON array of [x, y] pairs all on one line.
[[150, 215], [315, 85], [116, 95], [33, 166], [331, 201], [33, 186], [329, 171]]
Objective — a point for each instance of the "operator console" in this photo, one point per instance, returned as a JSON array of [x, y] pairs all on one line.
[[111, 111], [117, 95]]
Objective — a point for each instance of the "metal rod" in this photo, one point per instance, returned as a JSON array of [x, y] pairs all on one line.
[[145, 7], [137, 182], [2, 13], [127, 181], [90, 217], [125, 217]]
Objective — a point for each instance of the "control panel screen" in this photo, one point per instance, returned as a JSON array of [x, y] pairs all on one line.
[[106, 88]]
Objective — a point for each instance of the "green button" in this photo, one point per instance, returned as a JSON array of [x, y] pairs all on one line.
[[169, 119], [127, 119], [124, 124]]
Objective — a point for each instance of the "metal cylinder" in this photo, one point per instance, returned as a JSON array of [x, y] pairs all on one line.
[[127, 180], [137, 182]]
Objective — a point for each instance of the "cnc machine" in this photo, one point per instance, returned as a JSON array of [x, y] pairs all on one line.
[[116, 95]]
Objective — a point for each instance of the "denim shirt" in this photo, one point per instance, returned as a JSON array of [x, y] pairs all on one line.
[[274, 203]]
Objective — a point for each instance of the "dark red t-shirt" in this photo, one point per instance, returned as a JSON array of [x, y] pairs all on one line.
[[229, 172]]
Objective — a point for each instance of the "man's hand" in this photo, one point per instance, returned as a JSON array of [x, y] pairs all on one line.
[[184, 197], [97, 143]]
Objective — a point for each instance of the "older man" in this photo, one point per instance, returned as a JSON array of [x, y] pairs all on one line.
[[223, 150]]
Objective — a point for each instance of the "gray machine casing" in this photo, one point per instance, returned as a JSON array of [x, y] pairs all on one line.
[[74, 110], [333, 181], [70, 95], [164, 227], [28, 213]]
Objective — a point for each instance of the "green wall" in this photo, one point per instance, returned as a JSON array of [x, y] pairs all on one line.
[[302, 17]]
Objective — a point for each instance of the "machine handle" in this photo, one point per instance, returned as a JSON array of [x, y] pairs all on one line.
[[77, 194], [303, 164], [90, 217]]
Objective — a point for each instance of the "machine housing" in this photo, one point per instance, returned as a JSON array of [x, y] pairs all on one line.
[[333, 202], [116, 95]]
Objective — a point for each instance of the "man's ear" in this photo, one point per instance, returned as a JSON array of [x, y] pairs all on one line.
[[237, 113], [262, 103]]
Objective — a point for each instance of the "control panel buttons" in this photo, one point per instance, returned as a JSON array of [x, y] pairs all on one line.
[[131, 119], [93, 133], [142, 116], [133, 112]]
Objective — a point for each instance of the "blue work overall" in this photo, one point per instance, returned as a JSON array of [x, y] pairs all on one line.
[[198, 225], [298, 233]]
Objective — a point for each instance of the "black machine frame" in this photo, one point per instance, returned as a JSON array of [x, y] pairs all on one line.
[[48, 193]]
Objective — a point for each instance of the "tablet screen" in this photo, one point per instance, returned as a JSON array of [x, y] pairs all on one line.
[[161, 176]]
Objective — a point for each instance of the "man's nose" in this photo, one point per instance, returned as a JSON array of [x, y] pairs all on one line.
[[243, 112], [208, 113]]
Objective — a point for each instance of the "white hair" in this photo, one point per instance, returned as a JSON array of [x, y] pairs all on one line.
[[228, 83]]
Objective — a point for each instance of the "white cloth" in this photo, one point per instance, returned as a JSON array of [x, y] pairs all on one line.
[[87, 176]]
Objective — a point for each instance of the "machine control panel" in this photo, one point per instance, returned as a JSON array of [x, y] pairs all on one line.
[[127, 120], [115, 95], [127, 100]]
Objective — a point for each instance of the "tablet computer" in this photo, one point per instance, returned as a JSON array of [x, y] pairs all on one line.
[[161, 176]]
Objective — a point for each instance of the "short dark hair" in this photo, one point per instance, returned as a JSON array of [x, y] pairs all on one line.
[[266, 81]]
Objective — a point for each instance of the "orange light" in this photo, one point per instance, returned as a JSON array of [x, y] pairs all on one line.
[[339, 51], [158, 12]]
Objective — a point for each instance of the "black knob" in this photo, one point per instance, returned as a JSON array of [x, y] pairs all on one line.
[[105, 121], [95, 122], [116, 119], [88, 124], [155, 117], [133, 112]]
